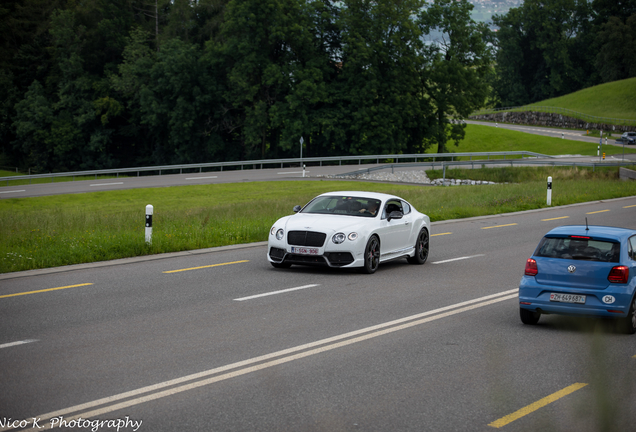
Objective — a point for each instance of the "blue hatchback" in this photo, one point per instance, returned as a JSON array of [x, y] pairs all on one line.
[[582, 271]]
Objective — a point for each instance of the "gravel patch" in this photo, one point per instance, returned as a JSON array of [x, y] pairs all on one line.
[[418, 177]]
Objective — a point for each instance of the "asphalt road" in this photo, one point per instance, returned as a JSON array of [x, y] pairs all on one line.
[[218, 340]]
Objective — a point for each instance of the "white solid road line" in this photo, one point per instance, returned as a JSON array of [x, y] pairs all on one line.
[[22, 342], [107, 184], [292, 172], [276, 292], [204, 378], [15, 191], [457, 259]]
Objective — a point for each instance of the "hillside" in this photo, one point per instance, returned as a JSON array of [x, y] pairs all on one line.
[[614, 100]]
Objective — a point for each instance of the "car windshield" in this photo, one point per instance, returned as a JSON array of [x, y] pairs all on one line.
[[343, 205], [579, 248]]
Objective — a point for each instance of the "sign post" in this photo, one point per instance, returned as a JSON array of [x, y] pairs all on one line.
[[149, 212]]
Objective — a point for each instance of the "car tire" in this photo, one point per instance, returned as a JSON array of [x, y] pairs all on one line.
[[529, 317], [371, 256], [280, 265], [630, 319], [421, 248]]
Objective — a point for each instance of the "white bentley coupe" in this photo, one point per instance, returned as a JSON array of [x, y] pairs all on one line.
[[350, 229]]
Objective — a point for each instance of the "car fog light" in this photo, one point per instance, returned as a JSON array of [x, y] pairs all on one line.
[[279, 234], [338, 238]]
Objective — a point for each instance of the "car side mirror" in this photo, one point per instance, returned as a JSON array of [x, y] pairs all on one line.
[[394, 215], [297, 208]]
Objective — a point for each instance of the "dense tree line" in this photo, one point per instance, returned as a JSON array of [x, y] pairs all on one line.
[[88, 84], [108, 83], [548, 48]]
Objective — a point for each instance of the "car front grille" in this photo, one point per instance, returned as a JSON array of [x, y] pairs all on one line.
[[306, 238]]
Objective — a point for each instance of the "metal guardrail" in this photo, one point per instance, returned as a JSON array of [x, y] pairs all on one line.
[[270, 162], [556, 110], [481, 163]]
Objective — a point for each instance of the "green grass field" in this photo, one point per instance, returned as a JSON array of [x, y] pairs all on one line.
[[78, 228], [488, 139], [614, 100]]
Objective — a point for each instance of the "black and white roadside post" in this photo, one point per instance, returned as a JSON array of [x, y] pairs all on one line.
[[149, 211], [304, 170], [549, 201]]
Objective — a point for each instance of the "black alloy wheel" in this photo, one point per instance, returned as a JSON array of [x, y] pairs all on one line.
[[421, 248], [371, 256]]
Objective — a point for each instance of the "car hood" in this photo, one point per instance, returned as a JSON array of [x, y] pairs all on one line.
[[326, 223]]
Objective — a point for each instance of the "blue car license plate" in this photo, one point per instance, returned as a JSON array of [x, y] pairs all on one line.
[[567, 298]]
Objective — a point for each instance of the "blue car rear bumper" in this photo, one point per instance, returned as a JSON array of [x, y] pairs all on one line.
[[536, 297]]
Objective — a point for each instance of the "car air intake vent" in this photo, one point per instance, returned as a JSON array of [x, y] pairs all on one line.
[[306, 238]]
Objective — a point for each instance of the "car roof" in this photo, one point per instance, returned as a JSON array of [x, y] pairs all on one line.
[[608, 232], [362, 194]]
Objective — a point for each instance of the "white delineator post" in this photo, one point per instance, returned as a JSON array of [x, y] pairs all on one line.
[[149, 211], [549, 190]]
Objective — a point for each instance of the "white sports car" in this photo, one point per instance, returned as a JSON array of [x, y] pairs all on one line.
[[350, 229]]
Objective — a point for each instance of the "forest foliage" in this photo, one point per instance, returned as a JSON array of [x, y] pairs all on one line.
[[92, 84]]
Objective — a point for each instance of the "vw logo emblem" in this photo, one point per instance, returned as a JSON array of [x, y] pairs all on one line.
[[571, 269]]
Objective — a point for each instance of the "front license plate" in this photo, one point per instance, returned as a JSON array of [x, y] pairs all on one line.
[[304, 251], [567, 298]]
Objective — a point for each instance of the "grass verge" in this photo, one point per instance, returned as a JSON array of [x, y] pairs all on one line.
[[78, 228], [490, 139]]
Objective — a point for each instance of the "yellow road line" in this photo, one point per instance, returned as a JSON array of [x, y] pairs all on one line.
[[535, 406], [207, 266], [44, 290], [600, 211], [433, 235], [630, 206], [499, 226], [562, 217]]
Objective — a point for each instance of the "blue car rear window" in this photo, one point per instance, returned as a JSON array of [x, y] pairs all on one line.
[[579, 248]]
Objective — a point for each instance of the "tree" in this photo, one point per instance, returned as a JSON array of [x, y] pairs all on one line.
[[257, 58], [456, 69], [616, 57], [539, 51]]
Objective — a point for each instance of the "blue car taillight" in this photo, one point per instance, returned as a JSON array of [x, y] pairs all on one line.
[[531, 267], [618, 274]]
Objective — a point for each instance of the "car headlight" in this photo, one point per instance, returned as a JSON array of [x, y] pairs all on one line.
[[272, 230], [280, 234], [338, 238], [352, 236]]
